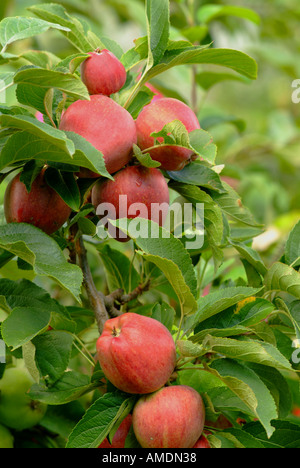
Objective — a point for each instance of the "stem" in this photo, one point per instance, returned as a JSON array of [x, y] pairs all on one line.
[[96, 298]]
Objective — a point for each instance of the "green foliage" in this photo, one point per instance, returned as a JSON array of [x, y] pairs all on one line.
[[232, 305]]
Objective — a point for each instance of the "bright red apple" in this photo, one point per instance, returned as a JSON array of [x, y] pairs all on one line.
[[137, 354], [103, 73], [172, 417], [202, 443], [107, 126], [153, 118], [120, 435], [42, 206], [135, 191]]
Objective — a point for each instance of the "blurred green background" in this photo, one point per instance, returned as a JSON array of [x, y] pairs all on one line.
[[255, 125]]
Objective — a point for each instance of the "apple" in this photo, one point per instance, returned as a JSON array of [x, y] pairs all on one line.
[[6, 438], [42, 206], [120, 435], [107, 126], [172, 417], [202, 443], [103, 73], [136, 191], [153, 118], [157, 94], [17, 410], [136, 353]]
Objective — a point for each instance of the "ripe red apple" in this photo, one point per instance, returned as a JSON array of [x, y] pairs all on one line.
[[153, 118], [103, 73], [202, 443], [131, 186], [172, 417], [107, 126], [137, 354], [120, 435], [42, 206]]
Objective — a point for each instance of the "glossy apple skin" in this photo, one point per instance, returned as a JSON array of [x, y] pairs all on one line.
[[137, 354], [140, 185], [17, 410], [202, 443], [103, 73], [172, 417], [120, 436], [153, 118], [107, 126], [41, 207]]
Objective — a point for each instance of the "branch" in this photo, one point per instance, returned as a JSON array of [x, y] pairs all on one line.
[[121, 298], [96, 298]]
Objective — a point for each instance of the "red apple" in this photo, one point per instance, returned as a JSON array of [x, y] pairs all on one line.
[[153, 118], [202, 443], [42, 206], [107, 126], [137, 354], [103, 73], [120, 436], [172, 417], [131, 186]]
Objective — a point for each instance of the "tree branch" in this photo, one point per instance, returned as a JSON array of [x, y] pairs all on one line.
[[96, 298]]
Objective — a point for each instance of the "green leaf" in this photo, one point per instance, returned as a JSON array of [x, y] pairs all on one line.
[[158, 24], [83, 39], [286, 435], [292, 248], [161, 248], [65, 185], [251, 256], [281, 277], [216, 302], [249, 351], [99, 420], [210, 12], [14, 29], [53, 352], [266, 409], [71, 386], [120, 273], [44, 79], [144, 158], [197, 174], [232, 205], [23, 324], [43, 253]]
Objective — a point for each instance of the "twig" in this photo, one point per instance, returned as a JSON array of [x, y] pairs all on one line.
[[96, 298]]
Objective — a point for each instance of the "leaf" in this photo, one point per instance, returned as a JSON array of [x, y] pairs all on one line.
[[197, 174], [232, 205], [83, 40], [53, 352], [14, 29], [120, 272], [23, 324], [43, 253], [71, 386], [65, 185], [252, 256], [210, 12], [292, 247], [265, 410], [249, 351], [286, 435], [44, 79], [216, 302], [144, 158], [99, 420], [158, 24], [160, 247], [281, 277]]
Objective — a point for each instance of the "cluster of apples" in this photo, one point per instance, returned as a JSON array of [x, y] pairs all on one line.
[[138, 356], [111, 129]]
